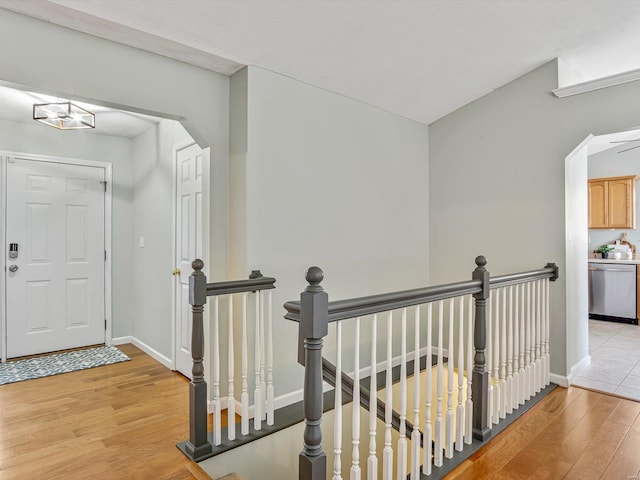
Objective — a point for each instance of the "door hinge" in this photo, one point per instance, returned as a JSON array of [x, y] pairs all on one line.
[[104, 184], [105, 255], [105, 323]]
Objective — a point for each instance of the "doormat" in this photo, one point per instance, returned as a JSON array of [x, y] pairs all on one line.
[[38, 367]]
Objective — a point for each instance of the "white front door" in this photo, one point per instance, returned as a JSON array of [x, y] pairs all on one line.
[[188, 245], [55, 286]]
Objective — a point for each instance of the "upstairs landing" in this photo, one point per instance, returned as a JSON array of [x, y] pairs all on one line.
[[571, 433], [276, 457]]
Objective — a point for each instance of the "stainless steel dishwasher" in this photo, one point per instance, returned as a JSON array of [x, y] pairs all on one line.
[[612, 292]]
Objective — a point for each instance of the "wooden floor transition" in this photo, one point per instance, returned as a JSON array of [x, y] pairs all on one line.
[[119, 422], [122, 422]]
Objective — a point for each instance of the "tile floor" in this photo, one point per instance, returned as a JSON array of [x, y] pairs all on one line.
[[615, 359]]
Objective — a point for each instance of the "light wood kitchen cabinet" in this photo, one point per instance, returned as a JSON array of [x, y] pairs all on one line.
[[598, 204], [612, 202]]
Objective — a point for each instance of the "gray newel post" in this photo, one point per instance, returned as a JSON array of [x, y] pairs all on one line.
[[480, 381], [314, 325], [197, 446]]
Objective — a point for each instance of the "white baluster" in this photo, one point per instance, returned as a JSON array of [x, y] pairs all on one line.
[[402, 441], [539, 382], [355, 430], [508, 405], [468, 408], [263, 351], [534, 330], [460, 409], [527, 342], [415, 434], [231, 401], [497, 386], [217, 410], [270, 392], [515, 399], [257, 392], [522, 341], [489, 354], [244, 396], [448, 452], [503, 357], [534, 314], [337, 418], [372, 463], [532, 309], [387, 453], [428, 435], [532, 306], [543, 333], [547, 301], [438, 431]]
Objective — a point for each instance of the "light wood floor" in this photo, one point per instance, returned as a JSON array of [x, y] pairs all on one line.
[[571, 434], [119, 422], [122, 422]]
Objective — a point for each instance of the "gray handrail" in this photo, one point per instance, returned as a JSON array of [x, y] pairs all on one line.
[[359, 307], [254, 283], [314, 312], [198, 447], [550, 271]]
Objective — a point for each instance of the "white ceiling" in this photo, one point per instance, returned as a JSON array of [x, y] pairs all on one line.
[[420, 59], [613, 141], [17, 106]]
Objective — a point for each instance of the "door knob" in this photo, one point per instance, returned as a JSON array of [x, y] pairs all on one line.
[[176, 271], [13, 268]]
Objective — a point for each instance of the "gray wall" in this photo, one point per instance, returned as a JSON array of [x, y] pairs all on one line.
[[329, 181], [238, 124], [497, 184], [610, 163], [52, 59], [151, 313], [39, 139]]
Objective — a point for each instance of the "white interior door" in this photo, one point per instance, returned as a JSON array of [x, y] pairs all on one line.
[[55, 287], [188, 245]]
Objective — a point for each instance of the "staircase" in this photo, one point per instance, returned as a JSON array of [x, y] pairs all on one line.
[[487, 345]]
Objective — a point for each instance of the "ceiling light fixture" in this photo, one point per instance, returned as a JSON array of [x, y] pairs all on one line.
[[64, 115]]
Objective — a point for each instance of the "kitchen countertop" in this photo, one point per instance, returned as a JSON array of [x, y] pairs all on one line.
[[635, 261]]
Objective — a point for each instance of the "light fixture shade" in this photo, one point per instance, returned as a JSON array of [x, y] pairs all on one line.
[[64, 115]]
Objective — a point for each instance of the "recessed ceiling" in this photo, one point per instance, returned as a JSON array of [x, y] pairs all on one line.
[[419, 59], [17, 106]]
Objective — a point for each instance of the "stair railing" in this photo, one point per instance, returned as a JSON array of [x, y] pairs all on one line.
[[198, 447], [497, 333]]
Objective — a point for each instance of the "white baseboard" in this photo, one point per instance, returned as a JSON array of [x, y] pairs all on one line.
[[153, 353], [585, 362], [559, 380]]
